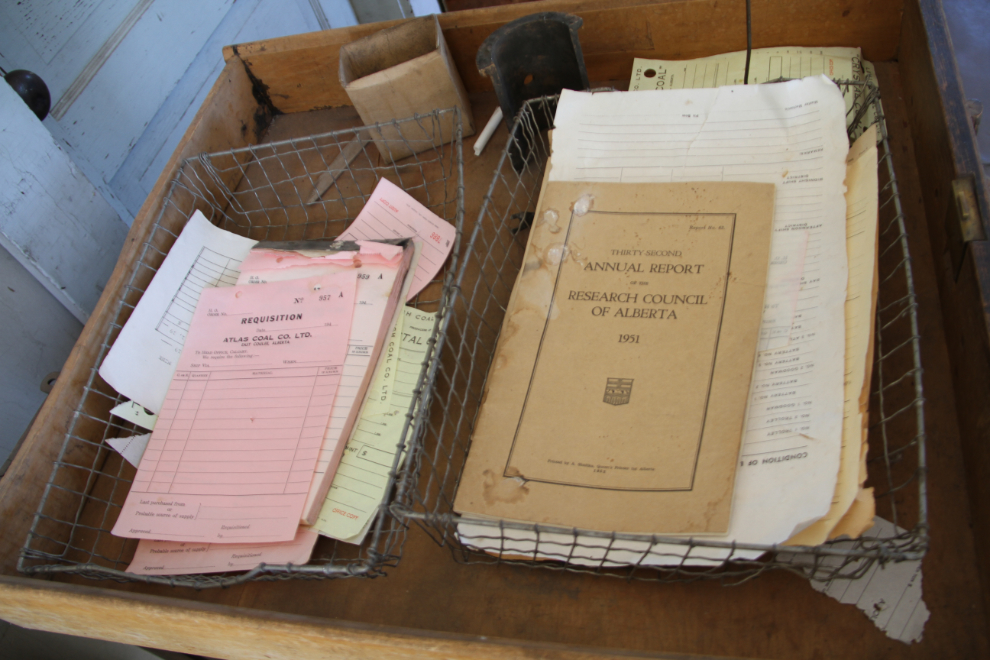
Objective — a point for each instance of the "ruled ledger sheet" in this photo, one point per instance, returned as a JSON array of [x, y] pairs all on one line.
[[144, 355], [793, 135], [232, 455]]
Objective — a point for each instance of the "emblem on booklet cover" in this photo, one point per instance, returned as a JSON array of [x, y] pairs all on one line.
[[618, 391]]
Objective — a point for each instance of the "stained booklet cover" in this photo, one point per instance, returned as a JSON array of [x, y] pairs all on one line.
[[617, 396]]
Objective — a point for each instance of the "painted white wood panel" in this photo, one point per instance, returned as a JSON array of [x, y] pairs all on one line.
[[49, 24], [339, 13], [52, 219], [21, 49], [36, 336], [248, 20], [109, 116], [425, 7], [137, 174]]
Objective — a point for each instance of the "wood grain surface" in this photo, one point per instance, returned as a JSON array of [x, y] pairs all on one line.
[[229, 117], [429, 605], [299, 73], [946, 150]]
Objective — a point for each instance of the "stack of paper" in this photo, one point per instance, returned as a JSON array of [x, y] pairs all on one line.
[[363, 474], [767, 64], [799, 471], [266, 356], [380, 289], [236, 441]]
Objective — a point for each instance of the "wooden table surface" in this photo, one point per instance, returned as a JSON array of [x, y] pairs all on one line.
[[777, 615]]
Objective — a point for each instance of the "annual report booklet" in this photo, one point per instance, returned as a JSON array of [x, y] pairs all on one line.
[[617, 395], [792, 135]]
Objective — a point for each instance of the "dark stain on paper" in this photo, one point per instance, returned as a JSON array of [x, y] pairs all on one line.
[[497, 489]]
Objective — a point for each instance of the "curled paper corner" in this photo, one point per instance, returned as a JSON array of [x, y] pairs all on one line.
[[889, 595]]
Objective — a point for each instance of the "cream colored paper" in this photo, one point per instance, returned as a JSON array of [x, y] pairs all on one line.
[[380, 391], [765, 64], [596, 304], [618, 390], [359, 485], [136, 414], [858, 514], [142, 359], [792, 134], [861, 246]]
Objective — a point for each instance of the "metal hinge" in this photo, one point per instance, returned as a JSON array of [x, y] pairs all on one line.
[[964, 223]]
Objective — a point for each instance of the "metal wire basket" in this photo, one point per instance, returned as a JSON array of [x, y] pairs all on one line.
[[304, 188], [492, 260]]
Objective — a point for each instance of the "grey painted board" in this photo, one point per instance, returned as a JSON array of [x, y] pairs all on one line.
[[969, 23], [78, 40], [18, 643], [36, 336], [248, 20], [52, 220], [111, 113]]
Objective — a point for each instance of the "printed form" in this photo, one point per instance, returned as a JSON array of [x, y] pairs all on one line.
[[362, 477], [380, 391], [791, 134], [392, 213], [766, 64], [378, 275], [130, 448], [174, 558], [144, 356], [232, 455], [861, 248]]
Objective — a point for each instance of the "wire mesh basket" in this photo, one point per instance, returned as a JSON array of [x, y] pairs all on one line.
[[492, 260], [305, 188]]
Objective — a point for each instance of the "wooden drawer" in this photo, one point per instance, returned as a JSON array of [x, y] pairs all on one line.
[[430, 605]]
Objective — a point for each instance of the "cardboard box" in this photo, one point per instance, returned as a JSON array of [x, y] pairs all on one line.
[[400, 72]]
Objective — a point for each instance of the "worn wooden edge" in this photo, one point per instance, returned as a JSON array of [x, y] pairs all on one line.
[[460, 19], [242, 634], [299, 73], [227, 119], [946, 147]]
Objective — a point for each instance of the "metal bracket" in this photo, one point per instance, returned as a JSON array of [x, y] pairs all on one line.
[[534, 56], [964, 222]]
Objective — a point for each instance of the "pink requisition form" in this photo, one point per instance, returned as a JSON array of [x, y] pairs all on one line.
[[392, 213], [233, 452]]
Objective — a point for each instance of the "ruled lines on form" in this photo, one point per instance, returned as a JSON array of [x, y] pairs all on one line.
[[793, 135], [232, 454], [392, 213], [209, 269]]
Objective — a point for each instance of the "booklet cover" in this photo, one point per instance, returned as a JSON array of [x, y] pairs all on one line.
[[617, 395]]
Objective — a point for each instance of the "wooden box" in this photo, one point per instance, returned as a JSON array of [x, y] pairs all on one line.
[[403, 71], [431, 606]]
